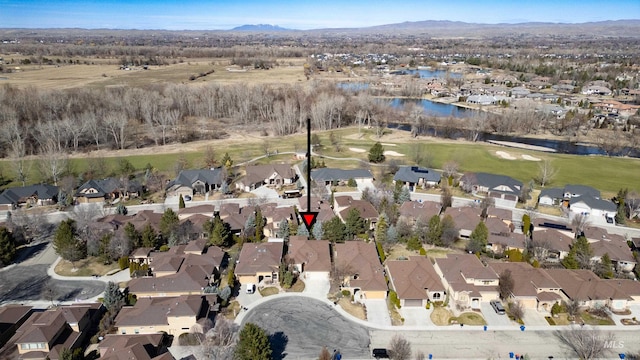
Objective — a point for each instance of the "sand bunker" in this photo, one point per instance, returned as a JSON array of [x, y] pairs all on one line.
[[358, 150], [392, 153], [505, 155], [531, 158]]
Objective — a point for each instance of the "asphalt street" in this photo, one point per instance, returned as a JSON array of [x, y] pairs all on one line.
[[302, 326], [28, 280]]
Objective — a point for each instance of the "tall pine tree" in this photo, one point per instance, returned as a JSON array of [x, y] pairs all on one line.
[[253, 344]]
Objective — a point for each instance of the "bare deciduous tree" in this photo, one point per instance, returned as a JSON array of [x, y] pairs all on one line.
[[579, 222], [450, 168], [586, 343], [14, 136], [116, 124], [221, 341], [52, 162], [516, 309], [546, 172], [399, 348]]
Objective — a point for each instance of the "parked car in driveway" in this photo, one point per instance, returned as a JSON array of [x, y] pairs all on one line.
[[251, 288], [380, 353], [497, 306]]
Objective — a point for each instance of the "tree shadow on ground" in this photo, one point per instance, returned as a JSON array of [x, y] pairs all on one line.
[[278, 343]]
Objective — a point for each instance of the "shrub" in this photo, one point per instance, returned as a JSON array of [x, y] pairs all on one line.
[[428, 306], [346, 293], [123, 262], [556, 309], [393, 297], [423, 252], [164, 248], [380, 252]]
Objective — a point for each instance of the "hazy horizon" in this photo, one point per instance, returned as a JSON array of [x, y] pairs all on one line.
[[225, 15]]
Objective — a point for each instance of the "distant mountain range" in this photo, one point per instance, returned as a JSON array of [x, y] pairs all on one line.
[[458, 28], [260, 27]]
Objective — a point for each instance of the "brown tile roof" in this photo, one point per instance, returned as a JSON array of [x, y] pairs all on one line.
[[367, 211], [205, 209], [314, 254], [585, 285], [595, 233], [554, 239], [496, 226], [527, 279], [362, 258], [415, 210], [466, 218], [12, 314], [457, 269], [228, 209], [617, 250], [411, 279], [156, 311], [134, 351], [629, 287], [258, 173], [259, 257], [143, 252], [512, 240], [190, 278], [195, 246], [502, 214], [41, 327], [113, 343]]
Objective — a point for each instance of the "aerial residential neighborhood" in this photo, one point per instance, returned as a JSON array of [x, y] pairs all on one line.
[[339, 180]]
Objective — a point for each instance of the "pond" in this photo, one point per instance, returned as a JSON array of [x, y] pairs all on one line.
[[435, 109], [428, 73]]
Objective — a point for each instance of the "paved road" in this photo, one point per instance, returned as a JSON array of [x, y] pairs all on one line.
[[478, 344], [308, 325]]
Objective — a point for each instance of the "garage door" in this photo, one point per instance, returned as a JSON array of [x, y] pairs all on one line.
[[412, 302]]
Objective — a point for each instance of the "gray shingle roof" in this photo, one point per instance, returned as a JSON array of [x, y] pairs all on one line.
[[331, 174], [188, 177], [42, 191], [581, 190], [594, 203], [554, 193], [413, 174]]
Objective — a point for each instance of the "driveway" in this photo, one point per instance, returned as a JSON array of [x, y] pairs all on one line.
[[416, 316], [264, 192], [492, 318], [316, 288], [300, 326], [534, 318], [245, 299], [378, 312]]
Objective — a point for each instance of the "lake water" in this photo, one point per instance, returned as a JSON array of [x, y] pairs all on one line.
[[428, 74], [435, 109]]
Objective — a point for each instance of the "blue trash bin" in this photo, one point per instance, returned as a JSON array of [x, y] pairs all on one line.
[[522, 327], [485, 328], [511, 355], [622, 356], [430, 356]]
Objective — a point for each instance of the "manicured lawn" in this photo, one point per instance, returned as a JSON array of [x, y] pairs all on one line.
[[440, 316], [268, 291]]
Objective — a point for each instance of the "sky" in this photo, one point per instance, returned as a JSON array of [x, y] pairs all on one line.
[[299, 14]]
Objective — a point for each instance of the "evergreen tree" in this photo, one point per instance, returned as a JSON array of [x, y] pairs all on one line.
[[449, 231], [605, 268], [133, 235], [334, 230], [7, 247], [260, 223], [570, 261], [302, 230], [169, 223], [253, 344], [478, 238], [283, 230], [113, 299], [67, 244], [250, 227], [317, 231], [434, 232], [582, 252], [181, 204], [226, 161], [405, 195], [293, 228], [376, 153], [354, 223], [381, 228], [121, 209], [221, 233], [149, 238], [392, 235]]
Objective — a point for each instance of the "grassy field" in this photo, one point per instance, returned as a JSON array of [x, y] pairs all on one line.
[[85, 267], [595, 320], [268, 291], [604, 173]]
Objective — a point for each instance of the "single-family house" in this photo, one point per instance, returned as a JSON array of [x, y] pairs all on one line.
[[192, 182], [415, 281], [562, 196], [550, 245], [466, 219], [11, 318], [97, 191], [503, 189], [132, 346], [259, 262], [411, 211], [329, 176], [597, 210], [269, 174], [344, 204], [502, 242], [324, 208], [533, 287], [207, 210], [173, 315], [467, 281], [311, 258], [415, 177], [32, 195], [591, 291], [358, 265]]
